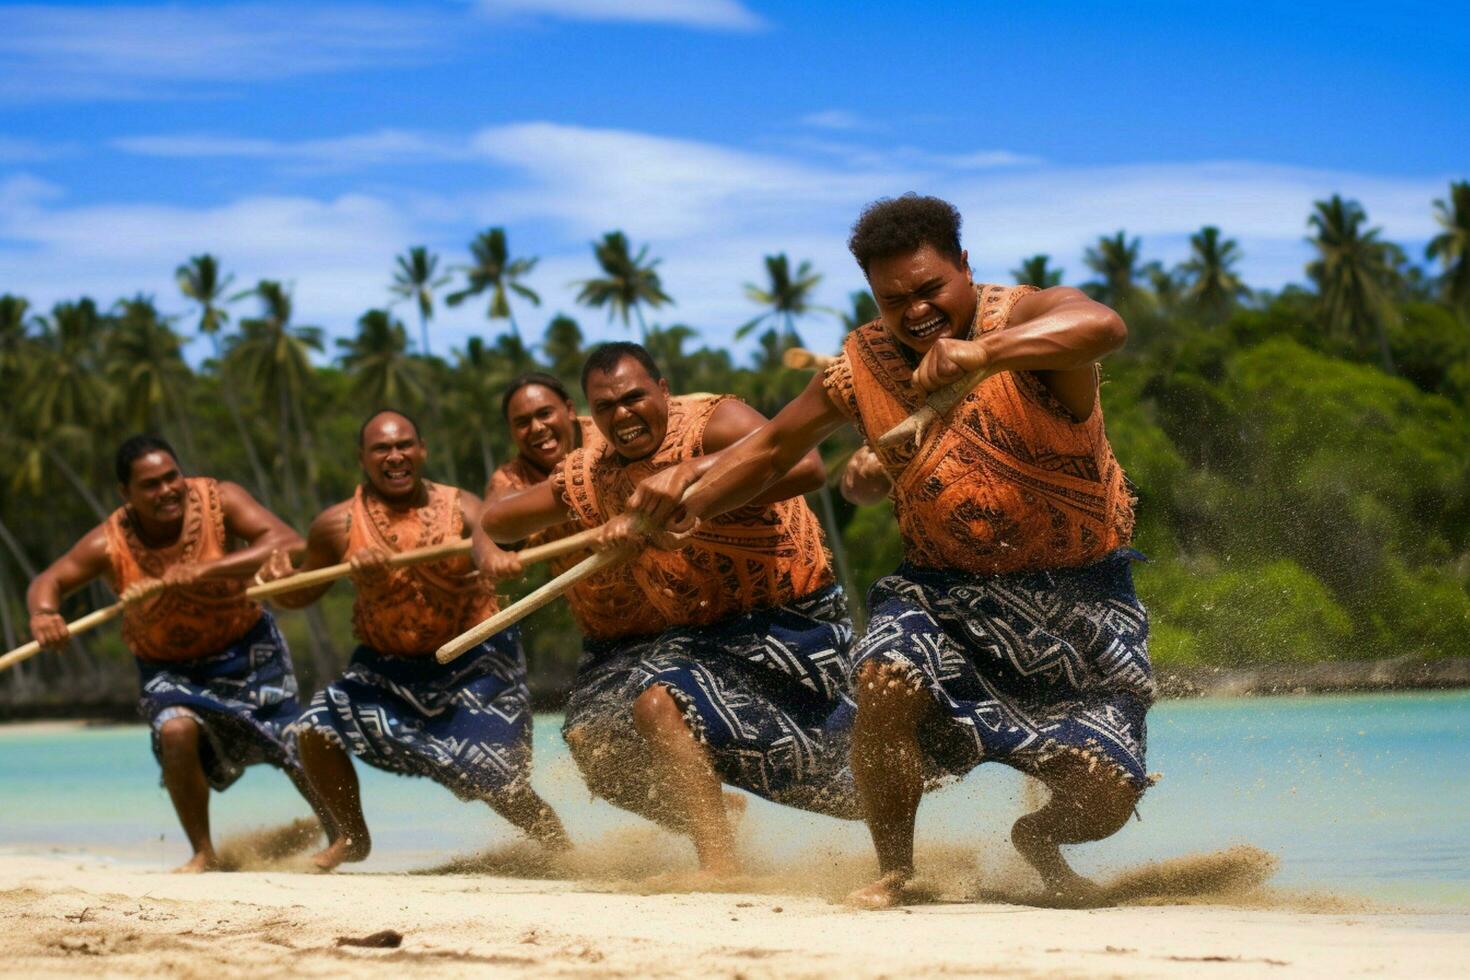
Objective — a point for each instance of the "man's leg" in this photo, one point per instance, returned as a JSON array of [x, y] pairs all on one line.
[[314, 800], [1087, 803], [527, 811], [686, 779], [334, 780], [188, 787], [888, 771]]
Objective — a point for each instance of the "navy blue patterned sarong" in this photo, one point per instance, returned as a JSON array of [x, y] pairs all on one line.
[[243, 699], [465, 724], [766, 692], [1023, 666]]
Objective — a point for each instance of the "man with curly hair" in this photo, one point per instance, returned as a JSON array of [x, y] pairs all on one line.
[[1011, 631]]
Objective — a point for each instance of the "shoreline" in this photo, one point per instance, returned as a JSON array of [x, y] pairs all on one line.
[[1404, 674], [70, 916]]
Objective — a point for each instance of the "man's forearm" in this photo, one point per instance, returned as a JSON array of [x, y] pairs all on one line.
[[247, 561], [732, 481], [43, 595], [1063, 339]]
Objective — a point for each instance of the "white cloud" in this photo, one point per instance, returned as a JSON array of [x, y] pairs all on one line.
[[17, 150], [718, 15], [382, 146], [121, 52], [838, 119], [709, 211]]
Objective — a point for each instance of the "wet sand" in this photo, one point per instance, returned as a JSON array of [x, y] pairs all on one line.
[[85, 916]]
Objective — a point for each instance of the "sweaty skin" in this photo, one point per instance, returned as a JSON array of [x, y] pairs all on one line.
[[392, 456], [928, 302], [630, 409], [154, 496]]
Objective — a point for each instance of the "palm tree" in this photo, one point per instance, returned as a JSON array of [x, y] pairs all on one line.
[[274, 356], [666, 344], [629, 281], [1452, 245], [788, 297], [864, 310], [1167, 286], [1115, 260], [1037, 271], [147, 369], [1214, 288], [1354, 273], [494, 270], [377, 358], [200, 280], [562, 346], [415, 280]]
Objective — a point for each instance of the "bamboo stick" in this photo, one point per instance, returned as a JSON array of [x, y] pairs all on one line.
[[518, 611], [801, 359], [936, 406], [305, 580]]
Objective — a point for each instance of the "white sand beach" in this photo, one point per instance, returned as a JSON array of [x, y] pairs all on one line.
[[85, 916]]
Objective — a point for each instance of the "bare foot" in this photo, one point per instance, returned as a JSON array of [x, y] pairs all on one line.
[[201, 861], [885, 893], [343, 850], [1061, 886]]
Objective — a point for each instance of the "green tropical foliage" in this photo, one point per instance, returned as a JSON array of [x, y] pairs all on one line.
[[1298, 501], [628, 282]]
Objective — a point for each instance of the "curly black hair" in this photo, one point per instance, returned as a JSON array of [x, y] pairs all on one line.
[[899, 225], [134, 448]]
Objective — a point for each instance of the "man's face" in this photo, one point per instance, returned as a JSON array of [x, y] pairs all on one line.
[[392, 455], [155, 488], [541, 425], [630, 408], [923, 296]]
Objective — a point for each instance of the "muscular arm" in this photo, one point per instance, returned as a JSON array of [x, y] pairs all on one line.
[[766, 456], [727, 433], [516, 516], [86, 560], [262, 532], [326, 544], [1058, 333]]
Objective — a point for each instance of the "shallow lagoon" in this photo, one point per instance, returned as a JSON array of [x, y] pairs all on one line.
[[1364, 795]]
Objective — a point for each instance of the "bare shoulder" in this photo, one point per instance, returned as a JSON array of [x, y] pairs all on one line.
[[332, 524], [470, 507], [1043, 301], [731, 421]]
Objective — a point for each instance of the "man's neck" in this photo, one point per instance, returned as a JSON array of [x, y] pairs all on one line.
[[417, 497], [156, 535]]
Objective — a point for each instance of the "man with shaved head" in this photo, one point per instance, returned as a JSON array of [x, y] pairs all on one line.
[[466, 725]]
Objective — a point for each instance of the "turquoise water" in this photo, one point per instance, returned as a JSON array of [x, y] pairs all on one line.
[[1366, 795]]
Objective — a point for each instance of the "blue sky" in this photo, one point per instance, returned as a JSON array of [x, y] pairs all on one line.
[[313, 142]]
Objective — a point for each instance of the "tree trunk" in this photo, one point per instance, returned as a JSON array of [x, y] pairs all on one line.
[[283, 453], [262, 488], [78, 484], [324, 659]]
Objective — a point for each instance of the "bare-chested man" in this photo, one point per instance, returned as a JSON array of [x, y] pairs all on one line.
[[465, 725], [1011, 632], [217, 685], [722, 661]]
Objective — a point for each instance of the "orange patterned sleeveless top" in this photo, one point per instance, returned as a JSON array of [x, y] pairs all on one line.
[[519, 475], [1008, 482], [417, 608], [180, 624], [750, 558]]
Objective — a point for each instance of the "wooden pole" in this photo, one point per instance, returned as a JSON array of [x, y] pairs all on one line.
[[801, 359], [518, 611], [936, 406], [305, 580]]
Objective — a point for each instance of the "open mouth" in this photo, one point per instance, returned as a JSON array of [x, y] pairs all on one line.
[[928, 328], [630, 433], [546, 446], [394, 476]]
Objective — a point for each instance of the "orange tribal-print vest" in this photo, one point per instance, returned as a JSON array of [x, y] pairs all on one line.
[[1008, 482], [417, 608], [750, 558], [519, 475], [180, 624]]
